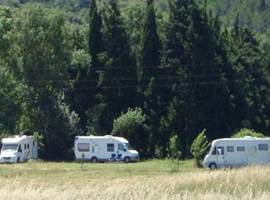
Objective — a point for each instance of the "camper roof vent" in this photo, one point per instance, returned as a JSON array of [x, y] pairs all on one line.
[[248, 137]]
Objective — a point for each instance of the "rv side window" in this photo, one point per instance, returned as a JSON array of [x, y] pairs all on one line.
[[83, 147], [220, 150], [230, 148], [28, 146], [110, 147], [24, 146], [263, 147], [241, 148]]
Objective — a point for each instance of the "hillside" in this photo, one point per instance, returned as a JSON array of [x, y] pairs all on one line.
[[252, 13]]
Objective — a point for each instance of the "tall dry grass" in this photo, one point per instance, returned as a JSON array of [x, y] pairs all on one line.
[[244, 184]]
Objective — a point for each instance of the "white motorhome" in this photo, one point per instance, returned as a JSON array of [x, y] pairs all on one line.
[[104, 148], [233, 152], [18, 149]]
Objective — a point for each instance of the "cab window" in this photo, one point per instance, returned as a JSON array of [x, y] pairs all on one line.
[[214, 152], [220, 150], [120, 147]]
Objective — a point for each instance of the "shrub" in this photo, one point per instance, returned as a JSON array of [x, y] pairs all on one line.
[[247, 132], [132, 125], [174, 151], [199, 148]]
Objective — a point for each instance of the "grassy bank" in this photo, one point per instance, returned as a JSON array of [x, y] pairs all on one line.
[[145, 180]]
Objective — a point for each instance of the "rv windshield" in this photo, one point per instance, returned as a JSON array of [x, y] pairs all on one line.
[[129, 147], [6, 147]]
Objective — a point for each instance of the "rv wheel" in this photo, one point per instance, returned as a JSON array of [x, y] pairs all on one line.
[[212, 166], [94, 160], [127, 159]]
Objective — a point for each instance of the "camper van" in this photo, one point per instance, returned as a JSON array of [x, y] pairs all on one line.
[[104, 148], [18, 149], [233, 152]]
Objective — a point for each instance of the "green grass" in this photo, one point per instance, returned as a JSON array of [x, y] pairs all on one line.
[[73, 170]]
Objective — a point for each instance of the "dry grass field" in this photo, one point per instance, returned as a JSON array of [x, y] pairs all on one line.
[[145, 180]]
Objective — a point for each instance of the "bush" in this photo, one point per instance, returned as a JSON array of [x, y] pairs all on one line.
[[199, 148], [132, 125], [174, 151], [247, 132]]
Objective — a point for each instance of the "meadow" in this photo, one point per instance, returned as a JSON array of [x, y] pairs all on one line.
[[155, 179]]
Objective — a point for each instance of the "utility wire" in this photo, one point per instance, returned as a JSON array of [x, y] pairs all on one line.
[[128, 67], [147, 86], [176, 77]]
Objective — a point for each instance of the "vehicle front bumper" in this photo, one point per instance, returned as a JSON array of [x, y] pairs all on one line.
[[8, 159]]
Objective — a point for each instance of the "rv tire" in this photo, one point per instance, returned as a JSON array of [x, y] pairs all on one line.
[[94, 160], [212, 166], [127, 159]]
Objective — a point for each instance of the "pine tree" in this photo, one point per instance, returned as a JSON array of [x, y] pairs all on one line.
[[151, 49], [208, 71], [85, 92], [96, 44], [120, 77], [151, 45], [251, 83], [176, 56]]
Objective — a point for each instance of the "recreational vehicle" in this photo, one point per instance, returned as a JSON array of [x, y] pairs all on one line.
[[18, 149], [233, 152], [104, 148]]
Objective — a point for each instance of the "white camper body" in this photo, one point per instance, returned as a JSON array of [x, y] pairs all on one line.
[[233, 152], [104, 148], [18, 149]]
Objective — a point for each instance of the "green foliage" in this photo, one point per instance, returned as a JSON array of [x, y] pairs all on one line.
[[248, 132], [151, 46], [119, 77], [128, 122], [148, 75], [174, 151], [41, 58], [199, 148], [71, 68], [5, 26], [132, 125], [11, 93]]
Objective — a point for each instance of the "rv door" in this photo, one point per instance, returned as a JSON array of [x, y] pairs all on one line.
[[220, 156]]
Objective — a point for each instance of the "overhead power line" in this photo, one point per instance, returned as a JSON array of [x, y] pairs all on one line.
[[128, 67]]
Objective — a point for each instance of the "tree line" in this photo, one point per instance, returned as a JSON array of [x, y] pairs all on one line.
[[178, 73]]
